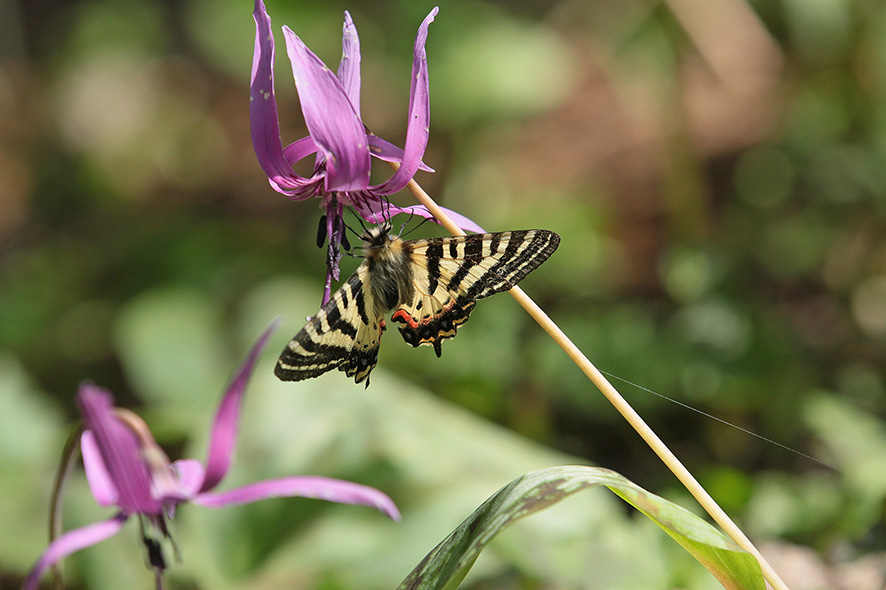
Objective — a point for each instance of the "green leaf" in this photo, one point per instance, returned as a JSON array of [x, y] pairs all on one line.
[[447, 565]]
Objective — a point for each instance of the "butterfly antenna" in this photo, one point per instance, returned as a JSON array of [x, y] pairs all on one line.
[[405, 223], [358, 235], [387, 207], [423, 221], [359, 220], [351, 229]]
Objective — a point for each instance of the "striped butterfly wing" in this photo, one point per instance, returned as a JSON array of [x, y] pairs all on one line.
[[344, 335], [450, 274]]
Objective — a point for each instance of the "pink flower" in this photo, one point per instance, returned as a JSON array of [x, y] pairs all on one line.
[[330, 104], [126, 468]]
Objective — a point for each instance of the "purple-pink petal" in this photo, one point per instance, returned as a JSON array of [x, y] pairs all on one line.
[[377, 211], [119, 449], [460, 220], [298, 149], [100, 483], [417, 129], [349, 67], [388, 152], [263, 118], [330, 118], [321, 488], [189, 476], [223, 435], [71, 542]]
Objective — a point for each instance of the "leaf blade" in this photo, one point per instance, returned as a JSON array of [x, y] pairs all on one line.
[[447, 564]]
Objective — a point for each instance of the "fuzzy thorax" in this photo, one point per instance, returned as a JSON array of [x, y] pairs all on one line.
[[389, 260]]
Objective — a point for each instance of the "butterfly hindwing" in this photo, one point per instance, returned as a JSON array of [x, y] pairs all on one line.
[[450, 274], [344, 334]]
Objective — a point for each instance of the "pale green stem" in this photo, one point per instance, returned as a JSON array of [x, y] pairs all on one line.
[[625, 409]]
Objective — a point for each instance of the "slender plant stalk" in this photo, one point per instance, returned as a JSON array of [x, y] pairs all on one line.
[[625, 409], [58, 491]]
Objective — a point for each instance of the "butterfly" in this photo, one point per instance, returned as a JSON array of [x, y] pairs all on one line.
[[431, 285]]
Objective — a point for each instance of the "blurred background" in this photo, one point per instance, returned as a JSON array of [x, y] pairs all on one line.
[[717, 171]]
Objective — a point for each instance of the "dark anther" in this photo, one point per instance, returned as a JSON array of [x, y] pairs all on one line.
[[344, 234], [321, 232], [155, 553]]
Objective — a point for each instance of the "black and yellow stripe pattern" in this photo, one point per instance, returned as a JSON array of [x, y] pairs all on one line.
[[432, 285]]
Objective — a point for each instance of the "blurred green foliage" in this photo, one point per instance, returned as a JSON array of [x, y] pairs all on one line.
[[717, 172]]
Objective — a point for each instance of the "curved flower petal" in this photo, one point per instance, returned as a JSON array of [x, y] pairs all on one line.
[[71, 542], [388, 152], [189, 475], [100, 483], [119, 449], [263, 119], [377, 211], [322, 488], [330, 118], [301, 148], [459, 219], [417, 129], [349, 67], [224, 428]]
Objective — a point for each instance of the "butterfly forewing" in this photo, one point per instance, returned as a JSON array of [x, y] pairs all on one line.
[[344, 334], [432, 285]]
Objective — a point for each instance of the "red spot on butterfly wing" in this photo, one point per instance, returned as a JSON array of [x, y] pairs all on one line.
[[404, 318]]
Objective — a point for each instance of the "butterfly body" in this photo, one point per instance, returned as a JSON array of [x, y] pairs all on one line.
[[431, 285], [389, 270]]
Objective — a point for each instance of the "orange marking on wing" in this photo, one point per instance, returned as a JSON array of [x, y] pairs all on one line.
[[401, 316]]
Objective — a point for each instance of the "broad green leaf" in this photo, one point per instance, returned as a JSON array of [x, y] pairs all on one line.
[[447, 565]]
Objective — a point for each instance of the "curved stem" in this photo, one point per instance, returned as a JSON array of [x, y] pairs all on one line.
[[623, 407], [58, 490]]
